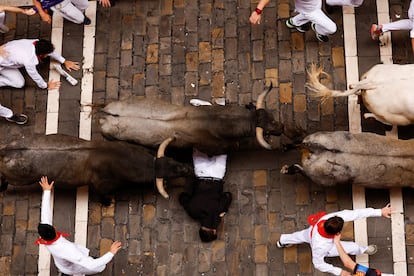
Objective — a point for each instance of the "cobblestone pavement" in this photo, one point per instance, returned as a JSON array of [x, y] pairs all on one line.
[[176, 51]]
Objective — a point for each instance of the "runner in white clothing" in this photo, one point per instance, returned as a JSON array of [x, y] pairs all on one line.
[[400, 25], [310, 15], [320, 235], [69, 258]]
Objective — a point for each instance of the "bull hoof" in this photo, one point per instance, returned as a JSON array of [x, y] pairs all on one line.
[[4, 184], [105, 201]]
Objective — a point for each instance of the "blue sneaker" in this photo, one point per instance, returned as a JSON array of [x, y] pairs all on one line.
[[86, 21]]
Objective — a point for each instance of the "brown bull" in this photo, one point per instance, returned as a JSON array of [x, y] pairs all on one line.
[[211, 129], [71, 162]]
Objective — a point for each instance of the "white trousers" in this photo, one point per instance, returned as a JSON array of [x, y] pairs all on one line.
[[403, 24], [304, 237], [71, 10], [323, 24], [354, 3], [5, 112], [11, 77]]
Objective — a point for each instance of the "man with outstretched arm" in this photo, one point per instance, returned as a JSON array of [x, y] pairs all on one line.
[[321, 233], [69, 258]]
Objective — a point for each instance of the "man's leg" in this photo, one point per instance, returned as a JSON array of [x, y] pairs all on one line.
[[80, 4], [5, 112], [11, 77], [350, 247], [296, 237], [68, 11], [323, 24]]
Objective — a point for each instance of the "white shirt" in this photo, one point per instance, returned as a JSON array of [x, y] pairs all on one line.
[[205, 166], [71, 258], [22, 53], [321, 246]]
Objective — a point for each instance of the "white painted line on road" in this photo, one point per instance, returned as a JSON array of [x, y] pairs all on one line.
[[52, 114], [354, 119], [85, 119], [396, 198]]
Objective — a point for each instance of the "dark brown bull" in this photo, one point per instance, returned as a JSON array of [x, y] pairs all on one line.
[[72, 162], [366, 159], [211, 129]]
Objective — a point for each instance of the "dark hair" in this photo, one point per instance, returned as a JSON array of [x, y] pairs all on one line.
[[43, 47], [207, 235], [46, 231], [333, 225]]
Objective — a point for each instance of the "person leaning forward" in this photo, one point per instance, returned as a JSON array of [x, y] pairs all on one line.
[[69, 258], [321, 233]]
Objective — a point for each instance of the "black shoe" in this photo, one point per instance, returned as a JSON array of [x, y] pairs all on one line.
[[321, 38], [302, 28], [86, 21], [19, 119]]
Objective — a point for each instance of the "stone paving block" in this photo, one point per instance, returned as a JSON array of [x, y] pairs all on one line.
[[302, 195], [217, 38], [204, 260], [18, 255], [299, 103], [107, 227], [290, 255], [305, 262], [285, 92]]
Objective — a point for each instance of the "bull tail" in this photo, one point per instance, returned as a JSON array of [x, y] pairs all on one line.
[[318, 89]]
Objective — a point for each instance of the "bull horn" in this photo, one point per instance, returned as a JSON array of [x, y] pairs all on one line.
[[261, 140], [159, 181], [262, 96], [260, 105]]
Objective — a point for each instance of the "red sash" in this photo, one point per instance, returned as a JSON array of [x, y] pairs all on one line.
[[45, 242], [314, 221]]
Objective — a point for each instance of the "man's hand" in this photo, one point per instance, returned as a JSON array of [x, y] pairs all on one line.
[[386, 211], [105, 3], [255, 18], [29, 11], [71, 65], [337, 238], [45, 17], [3, 52], [115, 247], [345, 273], [45, 184], [53, 85]]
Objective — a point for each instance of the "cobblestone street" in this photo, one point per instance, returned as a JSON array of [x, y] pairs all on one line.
[[177, 50]]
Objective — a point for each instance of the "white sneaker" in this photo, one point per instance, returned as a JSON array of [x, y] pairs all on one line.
[[4, 29], [198, 102], [371, 250]]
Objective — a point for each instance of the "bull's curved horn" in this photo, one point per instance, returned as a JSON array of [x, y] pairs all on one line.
[[159, 181], [262, 96], [259, 130], [261, 140]]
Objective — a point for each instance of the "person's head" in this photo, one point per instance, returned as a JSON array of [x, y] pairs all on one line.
[[333, 225], [46, 231], [43, 47], [207, 234]]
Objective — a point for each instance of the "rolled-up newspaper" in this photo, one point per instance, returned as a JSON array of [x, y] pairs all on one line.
[[65, 74]]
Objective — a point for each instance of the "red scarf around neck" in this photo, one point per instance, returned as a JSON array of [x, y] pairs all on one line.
[[45, 242], [314, 220]]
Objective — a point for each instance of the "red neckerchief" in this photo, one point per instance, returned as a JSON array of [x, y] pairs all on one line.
[[322, 232], [314, 221], [45, 242]]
